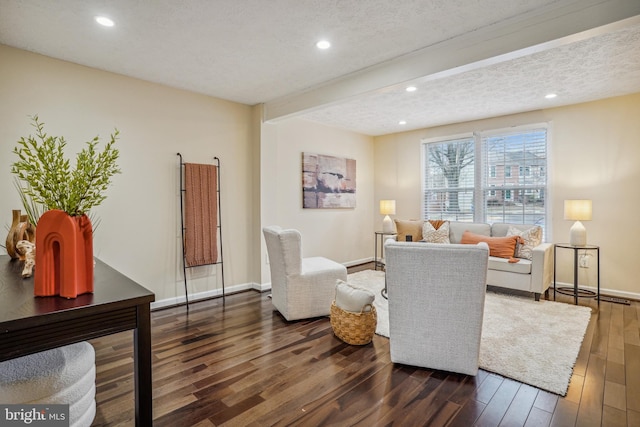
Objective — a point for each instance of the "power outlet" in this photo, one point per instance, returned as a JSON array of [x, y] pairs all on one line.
[[583, 261], [266, 259]]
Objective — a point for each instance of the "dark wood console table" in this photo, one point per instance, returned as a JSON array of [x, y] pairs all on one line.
[[30, 324]]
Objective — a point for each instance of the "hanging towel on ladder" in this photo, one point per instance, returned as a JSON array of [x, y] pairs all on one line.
[[201, 214]]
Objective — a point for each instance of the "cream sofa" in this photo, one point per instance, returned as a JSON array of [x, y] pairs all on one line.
[[535, 275]]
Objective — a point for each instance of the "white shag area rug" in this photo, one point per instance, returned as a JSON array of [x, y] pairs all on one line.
[[534, 342]]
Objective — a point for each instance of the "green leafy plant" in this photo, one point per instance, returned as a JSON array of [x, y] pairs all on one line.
[[33, 210], [48, 178]]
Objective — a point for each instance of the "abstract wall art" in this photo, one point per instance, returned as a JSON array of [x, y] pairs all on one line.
[[328, 182]]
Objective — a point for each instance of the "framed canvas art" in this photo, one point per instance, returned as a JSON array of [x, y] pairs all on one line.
[[328, 182]]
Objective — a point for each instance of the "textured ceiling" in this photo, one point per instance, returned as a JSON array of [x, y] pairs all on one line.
[[596, 68], [258, 51]]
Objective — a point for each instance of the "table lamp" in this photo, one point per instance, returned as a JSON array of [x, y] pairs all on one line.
[[577, 210], [387, 207]]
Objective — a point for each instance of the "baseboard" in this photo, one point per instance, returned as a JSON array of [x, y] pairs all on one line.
[[215, 293], [264, 287], [358, 262], [604, 291]]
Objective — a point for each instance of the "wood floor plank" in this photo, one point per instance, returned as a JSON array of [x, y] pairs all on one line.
[[240, 363], [520, 407], [615, 395], [546, 401], [631, 325], [538, 418], [613, 417], [592, 401], [582, 361], [574, 392], [633, 418], [499, 403], [565, 414], [600, 340], [632, 374], [469, 413]]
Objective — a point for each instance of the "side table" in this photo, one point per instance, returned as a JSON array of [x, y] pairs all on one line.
[[576, 291], [378, 262]]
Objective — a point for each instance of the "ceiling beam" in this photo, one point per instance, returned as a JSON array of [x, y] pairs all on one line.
[[536, 31]]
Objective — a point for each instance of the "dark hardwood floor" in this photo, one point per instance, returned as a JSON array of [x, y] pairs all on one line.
[[241, 364]]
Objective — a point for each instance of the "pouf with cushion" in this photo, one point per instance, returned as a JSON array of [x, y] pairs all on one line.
[[353, 316]]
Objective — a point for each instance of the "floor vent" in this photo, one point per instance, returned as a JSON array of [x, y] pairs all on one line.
[[616, 300]]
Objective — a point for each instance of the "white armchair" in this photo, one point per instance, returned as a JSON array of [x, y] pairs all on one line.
[[436, 304], [301, 288]]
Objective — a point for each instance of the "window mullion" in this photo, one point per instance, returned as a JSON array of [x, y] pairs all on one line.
[[480, 172]]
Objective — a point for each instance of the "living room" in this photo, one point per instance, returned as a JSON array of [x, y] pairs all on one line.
[[593, 154]]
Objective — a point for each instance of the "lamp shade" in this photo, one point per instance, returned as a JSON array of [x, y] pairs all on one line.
[[387, 207], [577, 210]]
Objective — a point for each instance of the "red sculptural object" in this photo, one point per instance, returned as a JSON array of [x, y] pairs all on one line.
[[64, 255]]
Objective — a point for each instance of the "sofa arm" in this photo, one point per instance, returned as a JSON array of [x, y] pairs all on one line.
[[542, 267]]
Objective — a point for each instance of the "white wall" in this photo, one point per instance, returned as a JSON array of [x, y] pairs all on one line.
[[594, 153], [344, 235], [139, 233]]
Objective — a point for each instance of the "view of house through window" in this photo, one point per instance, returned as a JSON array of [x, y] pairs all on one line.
[[494, 176]]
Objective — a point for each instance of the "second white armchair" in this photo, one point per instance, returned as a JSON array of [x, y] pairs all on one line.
[[301, 288]]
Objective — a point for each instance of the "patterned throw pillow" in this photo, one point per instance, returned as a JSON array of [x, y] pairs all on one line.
[[532, 238], [431, 235]]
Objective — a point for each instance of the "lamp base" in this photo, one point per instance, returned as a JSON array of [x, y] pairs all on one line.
[[387, 225], [577, 234]]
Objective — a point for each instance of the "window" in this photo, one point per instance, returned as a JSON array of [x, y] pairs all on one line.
[[493, 176], [450, 179]]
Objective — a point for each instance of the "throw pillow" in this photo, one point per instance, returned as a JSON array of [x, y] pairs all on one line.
[[352, 298], [530, 239], [412, 227], [437, 223], [501, 247], [431, 234]]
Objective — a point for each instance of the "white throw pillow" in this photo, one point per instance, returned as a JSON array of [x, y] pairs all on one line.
[[431, 235], [532, 238], [352, 298]]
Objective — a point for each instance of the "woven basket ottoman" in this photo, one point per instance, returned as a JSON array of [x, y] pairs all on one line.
[[353, 316], [64, 375]]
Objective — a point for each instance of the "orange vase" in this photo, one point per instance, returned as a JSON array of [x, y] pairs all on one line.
[[64, 255]]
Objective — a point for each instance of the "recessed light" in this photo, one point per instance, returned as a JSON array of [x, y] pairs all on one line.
[[550, 95], [103, 20], [323, 44], [411, 89], [402, 122]]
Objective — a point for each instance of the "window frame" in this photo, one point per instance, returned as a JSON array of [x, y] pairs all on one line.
[[480, 168]]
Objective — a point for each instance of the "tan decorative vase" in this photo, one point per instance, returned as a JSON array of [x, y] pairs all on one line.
[[64, 255], [21, 229]]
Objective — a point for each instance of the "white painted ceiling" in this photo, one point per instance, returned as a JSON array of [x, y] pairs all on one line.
[[469, 59]]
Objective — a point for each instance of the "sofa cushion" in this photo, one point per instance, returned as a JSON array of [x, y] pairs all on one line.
[[457, 228], [530, 239], [411, 227], [502, 247], [352, 298], [503, 264], [432, 235]]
